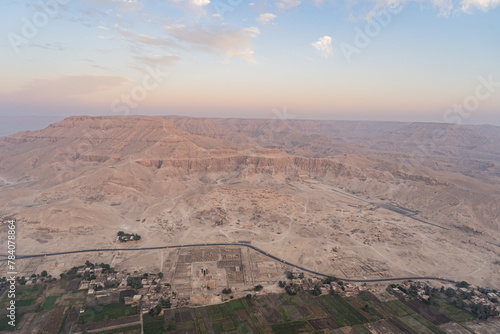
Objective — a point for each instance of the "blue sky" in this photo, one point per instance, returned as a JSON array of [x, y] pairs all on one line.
[[431, 61]]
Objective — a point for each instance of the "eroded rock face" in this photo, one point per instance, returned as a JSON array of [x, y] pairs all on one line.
[[133, 152]]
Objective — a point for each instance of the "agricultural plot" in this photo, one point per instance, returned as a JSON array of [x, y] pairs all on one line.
[[4, 325], [363, 307], [24, 302], [73, 298], [426, 311], [49, 302], [420, 325], [360, 329], [25, 296], [134, 329], [415, 325], [153, 325], [292, 327], [455, 328], [120, 322], [73, 285], [453, 313], [98, 313], [272, 313], [343, 313], [375, 304], [236, 305], [285, 299], [399, 308], [325, 323], [293, 313], [387, 326], [199, 323], [71, 317], [180, 320], [54, 323], [255, 318], [218, 312]]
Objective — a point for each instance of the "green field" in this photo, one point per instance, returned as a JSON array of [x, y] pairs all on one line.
[[454, 313], [24, 302], [218, 312], [420, 324], [416, 325], [236, 305], [4, 323], [105, 312], [217, 327], [346, 315], [361, 329], [134, 329], [364, 297], [399, 308], [292, 327], [380, 309], [49, 302], [199, 324], [283, 314], [25, 295], [274, 313], [153, 325]]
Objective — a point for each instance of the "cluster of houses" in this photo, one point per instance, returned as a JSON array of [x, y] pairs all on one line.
[[472, 294], [97, 282], [326, 286], [481, 296], [152, 293], [126, 237]]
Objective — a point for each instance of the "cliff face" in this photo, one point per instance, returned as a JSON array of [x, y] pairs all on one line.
[[152, 143], [121, 157]]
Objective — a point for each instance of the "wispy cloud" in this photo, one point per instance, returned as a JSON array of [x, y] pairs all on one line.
[[157, 60], [50, 46], [163, 41], [324, 46], [483, 5], [444, 7], [222, 40], [265, 18], [287, 4]]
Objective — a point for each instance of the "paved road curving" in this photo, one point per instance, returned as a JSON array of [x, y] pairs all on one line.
[[441, 279]]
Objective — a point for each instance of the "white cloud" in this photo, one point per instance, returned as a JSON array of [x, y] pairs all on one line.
[[143, 39], [230, 43], [483, 5], [287, 4], [324, 46], [129, 5], [445, 7], [197, 6], [200, 3], [157, 60], [265, 18]]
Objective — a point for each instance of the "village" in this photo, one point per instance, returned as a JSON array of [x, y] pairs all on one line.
[[150, 291], [225, 288]]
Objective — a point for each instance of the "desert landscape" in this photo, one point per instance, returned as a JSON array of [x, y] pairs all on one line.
[[345, 198]]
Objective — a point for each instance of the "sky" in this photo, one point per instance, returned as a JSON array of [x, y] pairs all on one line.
[[428, 61]]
